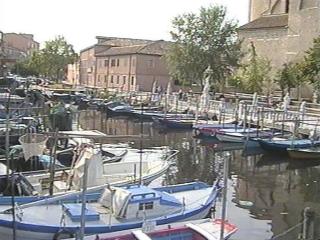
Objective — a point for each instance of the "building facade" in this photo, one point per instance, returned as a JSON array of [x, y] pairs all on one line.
[[121, 64], [73, 74], [281, 30], [16, 46]]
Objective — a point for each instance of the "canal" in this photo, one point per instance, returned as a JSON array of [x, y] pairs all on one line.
[[266, 193]]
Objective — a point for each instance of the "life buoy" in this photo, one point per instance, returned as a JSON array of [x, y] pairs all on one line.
[[64, 231]]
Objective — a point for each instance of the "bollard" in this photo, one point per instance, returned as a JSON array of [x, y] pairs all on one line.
[[308, 224]]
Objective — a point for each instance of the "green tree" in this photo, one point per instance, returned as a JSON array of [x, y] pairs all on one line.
[[50, 61], [201, 40], [253, 76], [310, 66], [287, 77], [55, 56]]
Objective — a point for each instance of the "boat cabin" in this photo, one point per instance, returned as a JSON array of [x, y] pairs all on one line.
[[135, 201]]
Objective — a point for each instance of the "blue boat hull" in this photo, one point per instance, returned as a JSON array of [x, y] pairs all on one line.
[[282, 146], [30, 231]]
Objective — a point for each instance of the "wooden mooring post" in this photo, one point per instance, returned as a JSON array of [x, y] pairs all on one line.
[[308, 229]]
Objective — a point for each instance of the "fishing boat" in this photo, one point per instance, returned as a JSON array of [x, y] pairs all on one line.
[[118, 108], [113, 209], [242, 135], [176, 123], [304, 153], [210, 129], [281, 145], [33, 186], [204, 229]]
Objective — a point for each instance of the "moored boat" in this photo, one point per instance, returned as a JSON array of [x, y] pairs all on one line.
[[304, 153], [204, 229], [281, 145], [114, 209]]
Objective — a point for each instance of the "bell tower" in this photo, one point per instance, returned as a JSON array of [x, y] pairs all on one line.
[[257, 8]]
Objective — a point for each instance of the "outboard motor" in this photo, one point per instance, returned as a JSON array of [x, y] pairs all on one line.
[[22, 186]]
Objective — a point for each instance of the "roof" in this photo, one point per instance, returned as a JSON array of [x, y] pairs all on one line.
[[268, 21], [151, 48]]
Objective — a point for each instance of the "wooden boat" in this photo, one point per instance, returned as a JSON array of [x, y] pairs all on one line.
[[204, 229], [176, 123], [35, 185], [281, 145], [118, 108], [210, 129], [304, 153], [241, 135], [114, 209]]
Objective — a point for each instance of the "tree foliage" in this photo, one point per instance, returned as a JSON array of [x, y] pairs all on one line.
[[201, 40], [288, 77], [50, 61], [310, 66], [253, 76]]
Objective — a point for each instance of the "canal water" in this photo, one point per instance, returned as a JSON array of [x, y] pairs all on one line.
[[266, 193]]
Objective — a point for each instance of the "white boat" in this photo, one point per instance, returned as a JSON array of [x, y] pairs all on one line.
[[35, 187], [204, 229], [115, 209], [118, 174]]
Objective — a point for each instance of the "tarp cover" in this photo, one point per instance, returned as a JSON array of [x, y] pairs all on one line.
[[33, 144], [120, 200], [95, 169]]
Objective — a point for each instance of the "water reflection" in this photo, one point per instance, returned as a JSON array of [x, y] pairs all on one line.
[[267, 193]]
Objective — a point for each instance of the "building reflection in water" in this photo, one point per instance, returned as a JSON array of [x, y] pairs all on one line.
[[266, 194]]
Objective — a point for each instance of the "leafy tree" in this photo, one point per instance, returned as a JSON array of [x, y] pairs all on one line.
[[310, 66], [55, 56], [255, 75], [50, 61], [201, 40], [287, 77]]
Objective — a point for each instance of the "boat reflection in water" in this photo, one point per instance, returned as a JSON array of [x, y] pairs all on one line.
[[266, 194]]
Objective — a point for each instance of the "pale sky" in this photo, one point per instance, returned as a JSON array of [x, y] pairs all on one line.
[[81, 20]]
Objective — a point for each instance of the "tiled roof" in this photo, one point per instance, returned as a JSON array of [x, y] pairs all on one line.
[[151, 48], [270, 21], [120, 50]]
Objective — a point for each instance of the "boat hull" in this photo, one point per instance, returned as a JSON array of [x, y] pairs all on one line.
[[301, 154], [282, 146], [28, 231]]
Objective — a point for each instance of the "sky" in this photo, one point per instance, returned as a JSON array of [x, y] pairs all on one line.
[[80, 21]]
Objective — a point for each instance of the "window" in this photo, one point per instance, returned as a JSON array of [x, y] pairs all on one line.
[[105, 78], [132, 80], [287, 6], [146, 206], [118, 62], [106, 63], [98, 78], [125, 62], [111, 79], [113, 62], [124, 78], [150, 63], [118, 78]]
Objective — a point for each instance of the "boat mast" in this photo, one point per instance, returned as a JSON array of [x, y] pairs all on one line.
[[83, 199], [141, 132], [224, 193]]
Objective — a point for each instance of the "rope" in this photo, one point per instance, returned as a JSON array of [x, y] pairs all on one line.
[[288, 230]]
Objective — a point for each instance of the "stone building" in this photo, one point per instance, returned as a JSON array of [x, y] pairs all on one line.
[[124, 64], [16, 46], [281, 30], [73, 73]]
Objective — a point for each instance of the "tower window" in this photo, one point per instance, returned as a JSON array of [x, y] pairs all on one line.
[[287, 6]]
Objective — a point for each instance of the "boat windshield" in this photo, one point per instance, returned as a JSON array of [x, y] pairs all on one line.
[[173, 234], [167, 234]]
